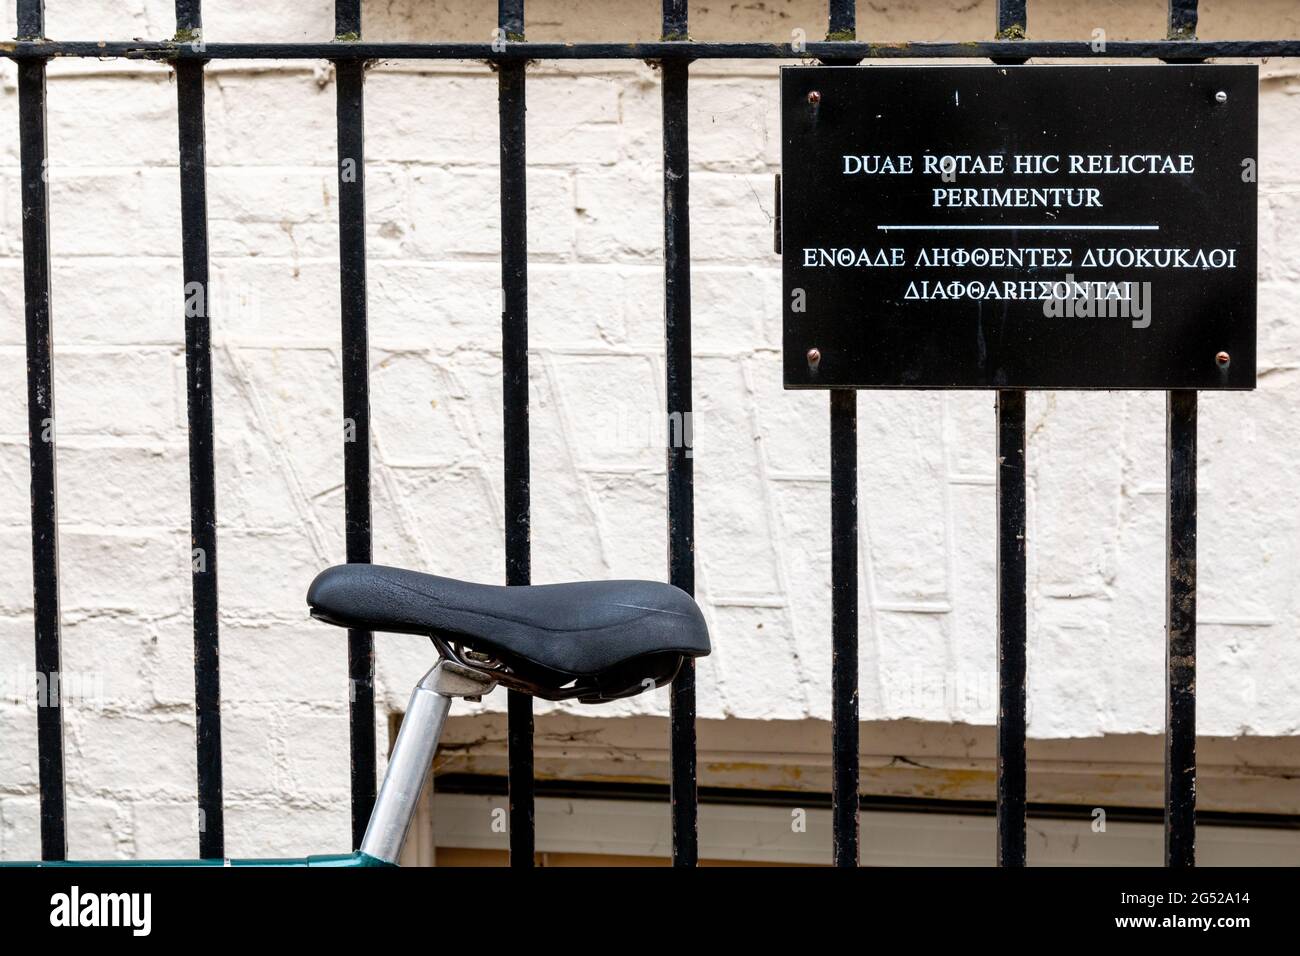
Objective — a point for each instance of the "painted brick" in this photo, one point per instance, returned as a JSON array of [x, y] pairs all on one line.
[[145, 755], [124, 485], [619, 213], [163, 830], [396, 133], [260, 830], [135, 571], [103, 392], [20, 828], [453, 212], [270, 118], [573, 120]]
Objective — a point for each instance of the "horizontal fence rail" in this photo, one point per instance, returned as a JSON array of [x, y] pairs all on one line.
[[166, 50], [674, 52]]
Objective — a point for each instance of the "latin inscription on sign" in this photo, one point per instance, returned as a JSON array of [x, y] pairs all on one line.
[[1019, 227]]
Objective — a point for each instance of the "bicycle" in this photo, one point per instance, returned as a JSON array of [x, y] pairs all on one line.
[[590, 641]]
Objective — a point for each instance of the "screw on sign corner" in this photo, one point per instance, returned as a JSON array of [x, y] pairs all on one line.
[[814, 98], [814, 359], [1223, 358]]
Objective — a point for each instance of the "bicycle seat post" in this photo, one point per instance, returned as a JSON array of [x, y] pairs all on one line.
[[413, 752]]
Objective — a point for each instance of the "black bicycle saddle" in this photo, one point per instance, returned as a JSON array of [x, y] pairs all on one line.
[[594, 640]]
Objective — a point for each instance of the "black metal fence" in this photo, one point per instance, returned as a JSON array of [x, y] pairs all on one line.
[[510, 53]]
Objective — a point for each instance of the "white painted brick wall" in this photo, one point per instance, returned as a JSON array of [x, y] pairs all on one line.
[[595, 233]]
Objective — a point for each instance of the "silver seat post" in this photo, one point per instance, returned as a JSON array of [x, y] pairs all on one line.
[[412, 756]]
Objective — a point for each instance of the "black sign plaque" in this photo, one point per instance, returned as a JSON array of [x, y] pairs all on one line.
[[1019, 227]]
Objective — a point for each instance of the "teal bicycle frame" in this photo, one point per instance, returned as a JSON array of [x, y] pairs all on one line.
[[336, 860]]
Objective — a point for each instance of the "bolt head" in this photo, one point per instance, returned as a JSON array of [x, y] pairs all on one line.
[[814, 358], [1220, 97], [1223, 358], [814, 97]]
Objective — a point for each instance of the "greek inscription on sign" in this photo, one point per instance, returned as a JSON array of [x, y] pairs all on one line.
[[1019, 227]]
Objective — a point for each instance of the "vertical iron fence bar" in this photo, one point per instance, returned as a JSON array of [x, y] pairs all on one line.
[[33, 150], [1011, 765], [1180, 589], [844, 626], [1180, 611], [1012, 20], [514, 380], [676, 20], [680, 465], [31, 19], [347, 20], [1012, 624], [843, 20], [1183, 17], [350, 112], [845, 755], [198, 383]]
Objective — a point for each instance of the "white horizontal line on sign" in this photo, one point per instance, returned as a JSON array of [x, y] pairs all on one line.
[[1041, 226]]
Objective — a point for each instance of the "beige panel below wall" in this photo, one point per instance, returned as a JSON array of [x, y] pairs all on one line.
[[640, 832], [899, 759]]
